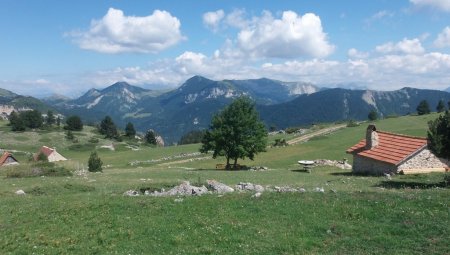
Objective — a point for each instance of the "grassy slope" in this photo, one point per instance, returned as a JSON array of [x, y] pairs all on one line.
[[366, 215]]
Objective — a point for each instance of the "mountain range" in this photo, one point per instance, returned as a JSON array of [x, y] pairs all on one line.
[[280, 104], [10, 98]]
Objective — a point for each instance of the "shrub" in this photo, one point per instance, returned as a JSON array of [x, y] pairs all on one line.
[[74, 123], [93, 140], [94, 163], [352, 123], [42, 157], [280, 142], [37, 169]]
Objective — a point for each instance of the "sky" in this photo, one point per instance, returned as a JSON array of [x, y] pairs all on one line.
[[68, 47]]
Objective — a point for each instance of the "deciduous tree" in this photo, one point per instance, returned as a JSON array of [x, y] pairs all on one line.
[[236, 132]]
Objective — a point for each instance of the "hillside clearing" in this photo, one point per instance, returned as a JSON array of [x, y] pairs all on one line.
[[87, 212]]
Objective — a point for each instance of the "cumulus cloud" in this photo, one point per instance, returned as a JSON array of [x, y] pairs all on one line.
[[442, 5], [381, 72], [443, 39], [405, 46], [355, 54], [212, 19], [290, 36], [117, 33]]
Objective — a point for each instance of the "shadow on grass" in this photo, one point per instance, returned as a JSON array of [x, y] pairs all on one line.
[[411, 185], [217, 170], [349, 174], [301, 171]]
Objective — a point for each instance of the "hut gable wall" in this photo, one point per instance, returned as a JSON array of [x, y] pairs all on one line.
[[371, 166], [423, 159]]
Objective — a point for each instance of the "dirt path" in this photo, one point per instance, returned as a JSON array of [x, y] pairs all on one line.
[[306, 137], [182, 161]]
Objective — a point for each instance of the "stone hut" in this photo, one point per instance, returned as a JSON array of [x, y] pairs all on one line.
[[383, 152], [8, 159], [51, 154]]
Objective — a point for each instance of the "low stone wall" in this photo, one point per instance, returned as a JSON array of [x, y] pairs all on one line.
[[370, 166], [423, 159]]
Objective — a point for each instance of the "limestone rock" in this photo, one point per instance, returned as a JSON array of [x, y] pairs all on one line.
[[219, 187], [20, 192], [131, 193], [247, 186]]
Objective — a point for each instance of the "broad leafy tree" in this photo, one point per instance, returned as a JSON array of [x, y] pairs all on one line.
[[32, 119], [373, 115], [74, 123], [423, 108], [129, 130], [108, 128], [439, 135], [440, 106], [16, 122], [236, 132]]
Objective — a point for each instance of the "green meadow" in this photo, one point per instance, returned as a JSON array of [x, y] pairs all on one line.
[[87, 213]]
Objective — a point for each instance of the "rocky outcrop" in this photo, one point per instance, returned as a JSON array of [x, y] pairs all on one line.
[[335, 163], [218, 187], [184, 189]]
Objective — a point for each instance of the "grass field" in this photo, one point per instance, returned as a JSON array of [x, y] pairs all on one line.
[[89, 215]]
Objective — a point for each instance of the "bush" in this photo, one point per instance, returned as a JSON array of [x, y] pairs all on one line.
[[352, 123], [93, 140], [94, 163], [42, 157], [74, 123], [37, 169], [291, 130], [280, 142]]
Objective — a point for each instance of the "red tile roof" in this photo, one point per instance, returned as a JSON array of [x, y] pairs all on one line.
[[392, 148], [46, 150], [5, 156]]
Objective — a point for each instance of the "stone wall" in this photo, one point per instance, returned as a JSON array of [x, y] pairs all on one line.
[[423, 159], [371, 166]]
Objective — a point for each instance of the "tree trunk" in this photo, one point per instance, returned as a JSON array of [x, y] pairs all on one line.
[[228, 163], [235, 164]]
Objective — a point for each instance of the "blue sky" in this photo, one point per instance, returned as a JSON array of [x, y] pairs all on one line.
[[67, 47]]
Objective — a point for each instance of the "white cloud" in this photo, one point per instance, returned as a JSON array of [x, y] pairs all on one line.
[[381, 72], [443, 39], [237, 19], [382, 14], [405, 46], [291, 36], [443, 5], [117, 33], [356, 54], [212, 19]]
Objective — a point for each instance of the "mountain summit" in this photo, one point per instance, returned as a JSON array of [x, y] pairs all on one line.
[[283, 104]]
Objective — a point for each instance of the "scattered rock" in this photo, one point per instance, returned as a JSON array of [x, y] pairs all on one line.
[[257, 194], [247, 186], [178, 200], [317, 189], [301, 190], [258, 168], [285, 189], [219, 187], [339, 164], [184, 189], [388, 176], [131, 193], [20, 192], [109, 147]]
